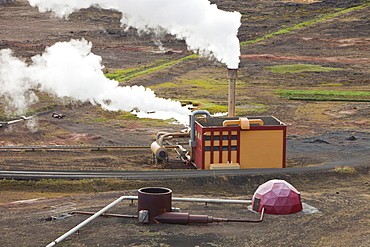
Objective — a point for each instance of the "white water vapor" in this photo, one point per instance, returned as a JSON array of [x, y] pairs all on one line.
[[70, 69], [206, 29]]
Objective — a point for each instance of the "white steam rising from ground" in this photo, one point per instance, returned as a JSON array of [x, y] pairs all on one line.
[[205, 28], [70, 69]]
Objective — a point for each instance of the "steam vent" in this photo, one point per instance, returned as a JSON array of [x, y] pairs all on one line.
[[277, 197], [239, 143]]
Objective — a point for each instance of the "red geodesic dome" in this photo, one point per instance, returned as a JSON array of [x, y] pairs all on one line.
[[277, 197]]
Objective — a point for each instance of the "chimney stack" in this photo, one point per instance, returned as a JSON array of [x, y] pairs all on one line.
[[231, 75]]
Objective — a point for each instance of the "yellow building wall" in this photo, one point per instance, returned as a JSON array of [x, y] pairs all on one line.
[[261, 149]]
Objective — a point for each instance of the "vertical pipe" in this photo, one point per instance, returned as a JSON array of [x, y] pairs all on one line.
[[192, 142], [231, 75]]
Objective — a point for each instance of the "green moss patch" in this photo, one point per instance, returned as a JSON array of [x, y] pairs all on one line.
[[128, 74], [211, 107], [298, 68], [307, 23], [319, 95]]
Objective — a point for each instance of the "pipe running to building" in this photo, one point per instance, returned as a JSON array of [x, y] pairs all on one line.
[[192, 125], [206, 200]]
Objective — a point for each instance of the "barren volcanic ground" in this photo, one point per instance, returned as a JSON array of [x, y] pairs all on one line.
[[274, 35]]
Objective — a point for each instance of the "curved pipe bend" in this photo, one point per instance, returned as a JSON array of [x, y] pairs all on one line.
[[192, 125]]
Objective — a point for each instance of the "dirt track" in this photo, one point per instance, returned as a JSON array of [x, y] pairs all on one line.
[[317, 131]]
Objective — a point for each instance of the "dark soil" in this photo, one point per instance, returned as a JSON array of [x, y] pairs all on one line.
[[318, 131]]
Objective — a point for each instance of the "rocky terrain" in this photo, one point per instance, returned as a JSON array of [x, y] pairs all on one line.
[[318, 131]]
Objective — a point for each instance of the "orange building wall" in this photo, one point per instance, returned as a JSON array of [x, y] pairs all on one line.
[[262, 149]]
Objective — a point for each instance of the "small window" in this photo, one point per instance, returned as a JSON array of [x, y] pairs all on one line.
[[207, 148], [225, 137], [208, 138], [216, 138], [234, 148], [216, 148], [234, 137], [225, 148]]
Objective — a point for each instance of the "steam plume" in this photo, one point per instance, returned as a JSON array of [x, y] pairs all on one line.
[[70, 69], [205, 28]]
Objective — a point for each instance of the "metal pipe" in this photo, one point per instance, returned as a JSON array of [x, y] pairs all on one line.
[[79, 147], [88, 220], [159, 134], [167, 136], [159, 149], [185, 218], [250, 221], [72, 147], [244, 122], [192, 125], [21, 118], [108, 215], [206, 200]]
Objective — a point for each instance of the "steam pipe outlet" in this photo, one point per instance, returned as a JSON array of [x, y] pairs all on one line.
[[192, 125], [231, 75]]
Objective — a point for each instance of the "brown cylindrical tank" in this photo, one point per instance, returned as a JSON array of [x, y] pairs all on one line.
[[155, 201], [159, 151]]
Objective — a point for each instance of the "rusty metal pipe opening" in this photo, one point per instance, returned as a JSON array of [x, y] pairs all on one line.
[[153, 202]]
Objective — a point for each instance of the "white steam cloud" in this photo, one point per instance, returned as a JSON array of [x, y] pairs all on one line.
[[205, 28], [70, 69], [14, 84]]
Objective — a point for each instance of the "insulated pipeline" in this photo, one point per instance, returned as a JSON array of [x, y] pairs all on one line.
[[206, 200], [192, 125], [108, 215], [88, 220]]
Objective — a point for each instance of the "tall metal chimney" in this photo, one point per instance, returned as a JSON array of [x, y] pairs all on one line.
[[231, 75]]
